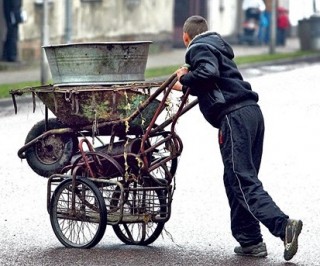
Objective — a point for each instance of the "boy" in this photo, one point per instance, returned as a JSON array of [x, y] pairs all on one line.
[[228, 103]]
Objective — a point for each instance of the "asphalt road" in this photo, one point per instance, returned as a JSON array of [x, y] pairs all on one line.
[[198, 231]]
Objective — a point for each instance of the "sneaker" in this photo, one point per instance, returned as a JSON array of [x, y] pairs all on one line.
[[258, 250], [293, 230]]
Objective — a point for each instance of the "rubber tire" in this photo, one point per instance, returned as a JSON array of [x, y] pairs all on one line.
[[46, 169], [102, 211]]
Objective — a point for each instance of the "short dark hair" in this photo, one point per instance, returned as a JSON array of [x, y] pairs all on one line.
[[195, 25]]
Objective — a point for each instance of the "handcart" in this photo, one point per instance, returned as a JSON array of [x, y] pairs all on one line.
[[127, 183]]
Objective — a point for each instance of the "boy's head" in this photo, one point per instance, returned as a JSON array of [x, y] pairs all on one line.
[[193, 26]]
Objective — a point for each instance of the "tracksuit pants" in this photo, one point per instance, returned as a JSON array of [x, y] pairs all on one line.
[[10, 47], [241, 143]]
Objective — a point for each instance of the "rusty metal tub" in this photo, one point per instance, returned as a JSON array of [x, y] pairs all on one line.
[[126, 107], [97, 63]]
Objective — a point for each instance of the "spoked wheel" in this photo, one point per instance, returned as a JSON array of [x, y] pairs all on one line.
[[78, 214], [143, 203], [167, 169], [50, 154]]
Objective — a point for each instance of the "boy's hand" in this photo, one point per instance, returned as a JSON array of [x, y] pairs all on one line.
[[182, 71], [177, 86]]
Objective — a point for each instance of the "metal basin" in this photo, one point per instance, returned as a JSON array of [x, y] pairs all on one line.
[[97, 63]]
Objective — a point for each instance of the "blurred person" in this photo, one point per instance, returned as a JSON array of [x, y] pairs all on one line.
[[283, 25], [263, 27], [228, 103], [12, 14], [253, 9], [253, 24]]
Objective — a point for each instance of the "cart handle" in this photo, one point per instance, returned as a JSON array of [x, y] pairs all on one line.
[[169, 83]]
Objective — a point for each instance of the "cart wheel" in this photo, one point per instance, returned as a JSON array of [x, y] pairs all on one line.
[[167, 169], [49, 155], [135, 202], [82, 223]]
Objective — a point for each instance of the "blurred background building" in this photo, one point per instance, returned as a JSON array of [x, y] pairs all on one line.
[[159, 21]]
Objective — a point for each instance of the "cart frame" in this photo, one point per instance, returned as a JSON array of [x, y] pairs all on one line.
[[120, 189]]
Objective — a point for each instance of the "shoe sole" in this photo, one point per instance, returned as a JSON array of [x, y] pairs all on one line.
[[257, 255], [293, 246]]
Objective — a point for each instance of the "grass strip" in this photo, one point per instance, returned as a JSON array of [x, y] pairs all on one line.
[[168, 70], [6, 88]]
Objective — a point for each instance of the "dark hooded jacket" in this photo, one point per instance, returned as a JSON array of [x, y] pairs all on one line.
[[214, 78], [12, 11]]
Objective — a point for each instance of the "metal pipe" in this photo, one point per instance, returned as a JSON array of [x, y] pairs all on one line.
[[273, 28], [45, 41], [68, 22]]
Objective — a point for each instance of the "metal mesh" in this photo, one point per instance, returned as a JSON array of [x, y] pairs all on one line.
[[136, 204]]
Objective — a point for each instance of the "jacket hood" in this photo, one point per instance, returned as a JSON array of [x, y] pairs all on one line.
[[215, 40]]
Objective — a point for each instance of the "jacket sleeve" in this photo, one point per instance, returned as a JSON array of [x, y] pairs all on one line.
[[204, 68]]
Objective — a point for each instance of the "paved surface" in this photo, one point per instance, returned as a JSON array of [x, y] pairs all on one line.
[[198, 231], [199, 227], [26, 72]]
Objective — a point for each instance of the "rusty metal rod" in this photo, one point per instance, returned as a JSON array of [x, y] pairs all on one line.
[[58, 131], [169, 121]]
